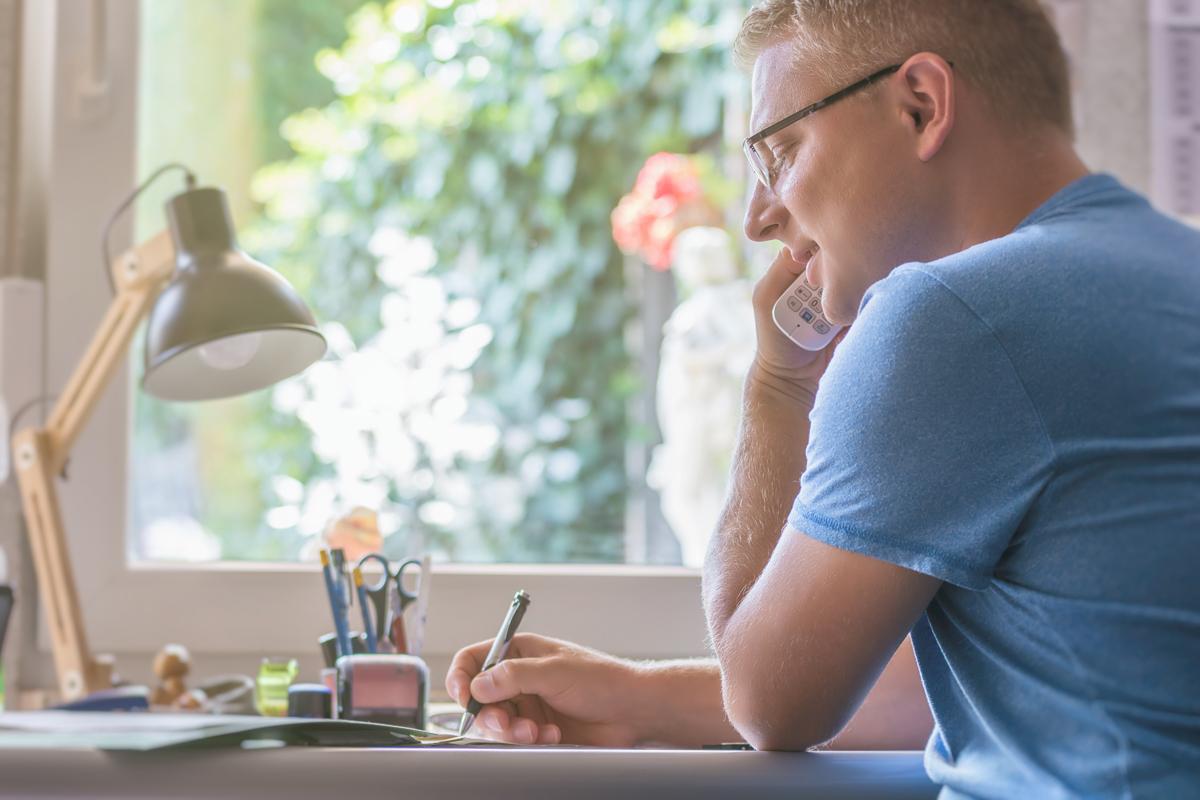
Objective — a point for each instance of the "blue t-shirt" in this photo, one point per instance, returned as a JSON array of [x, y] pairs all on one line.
[[1022, 421]]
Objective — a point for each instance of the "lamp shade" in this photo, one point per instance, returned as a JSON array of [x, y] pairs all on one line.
[[225, 324]]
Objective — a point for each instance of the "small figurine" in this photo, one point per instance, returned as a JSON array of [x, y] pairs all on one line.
[[171, 666]]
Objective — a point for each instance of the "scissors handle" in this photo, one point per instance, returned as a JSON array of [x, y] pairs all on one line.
[[407, 596], [385, 571], [390, 597], [377, 592]]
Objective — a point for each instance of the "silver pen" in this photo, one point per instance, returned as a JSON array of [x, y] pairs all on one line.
[[500, 644]]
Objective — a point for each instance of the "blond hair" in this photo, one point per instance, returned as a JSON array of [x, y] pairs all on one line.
[[1007, 49]]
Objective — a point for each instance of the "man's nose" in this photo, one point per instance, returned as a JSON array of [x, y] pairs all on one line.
[[764, 216]]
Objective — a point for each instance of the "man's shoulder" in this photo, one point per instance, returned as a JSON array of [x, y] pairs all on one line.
[[972, 278], [1035, 267], [1089, 234], [1008, 260], [1004, 287]]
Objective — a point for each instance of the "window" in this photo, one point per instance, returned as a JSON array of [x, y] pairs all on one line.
[[343, 221], [437, 179]]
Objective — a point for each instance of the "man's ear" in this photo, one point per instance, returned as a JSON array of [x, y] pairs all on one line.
[[927, 101]]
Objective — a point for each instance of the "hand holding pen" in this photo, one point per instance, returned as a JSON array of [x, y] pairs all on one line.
[[508, 629], [550, 691]]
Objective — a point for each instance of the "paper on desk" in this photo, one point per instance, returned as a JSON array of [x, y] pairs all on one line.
[[105, 730], [150, 731]]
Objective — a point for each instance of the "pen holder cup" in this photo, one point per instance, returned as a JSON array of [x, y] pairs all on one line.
[[389, 688]]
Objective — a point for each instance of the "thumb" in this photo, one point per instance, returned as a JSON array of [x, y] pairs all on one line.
[[512, 677], [783, 271]]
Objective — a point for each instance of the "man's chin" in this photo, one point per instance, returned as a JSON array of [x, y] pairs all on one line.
[[840, 302], [829, 307], [836, 313]]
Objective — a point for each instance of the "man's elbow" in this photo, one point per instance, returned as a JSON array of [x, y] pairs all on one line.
[[778, 721]]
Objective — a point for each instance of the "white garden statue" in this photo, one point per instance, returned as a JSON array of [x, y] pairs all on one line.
[[708, 345]]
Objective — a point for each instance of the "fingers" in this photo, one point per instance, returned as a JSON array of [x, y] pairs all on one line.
[[509, 692], [513, 677], [775, 281], [549, 734], [458, 679], [466, 665], [499, 723], [497, 718], [469, 661], [502, 724]]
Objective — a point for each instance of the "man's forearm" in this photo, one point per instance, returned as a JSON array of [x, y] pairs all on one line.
[[686, 710], [765, 477]]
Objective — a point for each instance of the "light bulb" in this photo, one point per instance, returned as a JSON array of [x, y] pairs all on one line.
[[232, 352]]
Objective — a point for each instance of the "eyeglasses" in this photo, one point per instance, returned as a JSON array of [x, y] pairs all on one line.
[[762, 161]]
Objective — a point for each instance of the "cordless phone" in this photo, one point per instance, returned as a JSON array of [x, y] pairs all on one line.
[[798, 314]]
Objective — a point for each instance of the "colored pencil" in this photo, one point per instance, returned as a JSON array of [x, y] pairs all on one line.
[[340, 625]]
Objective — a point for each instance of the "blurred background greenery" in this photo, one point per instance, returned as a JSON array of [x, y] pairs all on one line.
[[436, 178]]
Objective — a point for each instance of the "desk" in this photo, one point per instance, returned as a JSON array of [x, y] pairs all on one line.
[[477, 774]]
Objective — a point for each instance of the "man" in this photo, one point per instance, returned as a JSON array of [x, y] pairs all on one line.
[[1002, 458]]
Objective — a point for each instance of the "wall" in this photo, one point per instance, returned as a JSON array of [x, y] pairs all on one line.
[[1108, 42], [10, 54], [10, 507]]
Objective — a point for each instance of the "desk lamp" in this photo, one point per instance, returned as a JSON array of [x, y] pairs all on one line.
[[220, 324]]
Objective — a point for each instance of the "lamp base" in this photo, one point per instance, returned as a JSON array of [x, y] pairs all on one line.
[[98, 678]]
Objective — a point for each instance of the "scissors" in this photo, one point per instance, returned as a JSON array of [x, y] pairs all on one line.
[[390, 598]]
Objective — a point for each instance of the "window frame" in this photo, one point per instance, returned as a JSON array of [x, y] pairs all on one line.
[[87, 166]]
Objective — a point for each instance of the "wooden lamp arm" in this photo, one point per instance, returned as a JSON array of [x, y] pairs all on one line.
[[40, 454], [138, 275]]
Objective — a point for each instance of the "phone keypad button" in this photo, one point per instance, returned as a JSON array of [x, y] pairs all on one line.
[[820, 327], [794, 304]]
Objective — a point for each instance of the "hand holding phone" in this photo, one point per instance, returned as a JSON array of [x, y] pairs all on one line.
[[798, 314]]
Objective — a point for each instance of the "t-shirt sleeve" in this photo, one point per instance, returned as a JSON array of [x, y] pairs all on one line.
[[925, 450]]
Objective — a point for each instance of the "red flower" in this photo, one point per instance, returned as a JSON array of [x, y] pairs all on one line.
[[668, 175], [647, 219]]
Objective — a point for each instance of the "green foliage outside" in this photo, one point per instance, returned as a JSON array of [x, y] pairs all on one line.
[[503, 133], [217, 80]]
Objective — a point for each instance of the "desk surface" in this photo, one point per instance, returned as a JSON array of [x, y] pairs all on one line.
[[355, 774]]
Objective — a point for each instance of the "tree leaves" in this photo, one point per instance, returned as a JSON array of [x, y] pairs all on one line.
[[510, 135]]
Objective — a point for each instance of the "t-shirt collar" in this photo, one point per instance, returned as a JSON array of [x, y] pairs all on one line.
[[1072, 193]]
